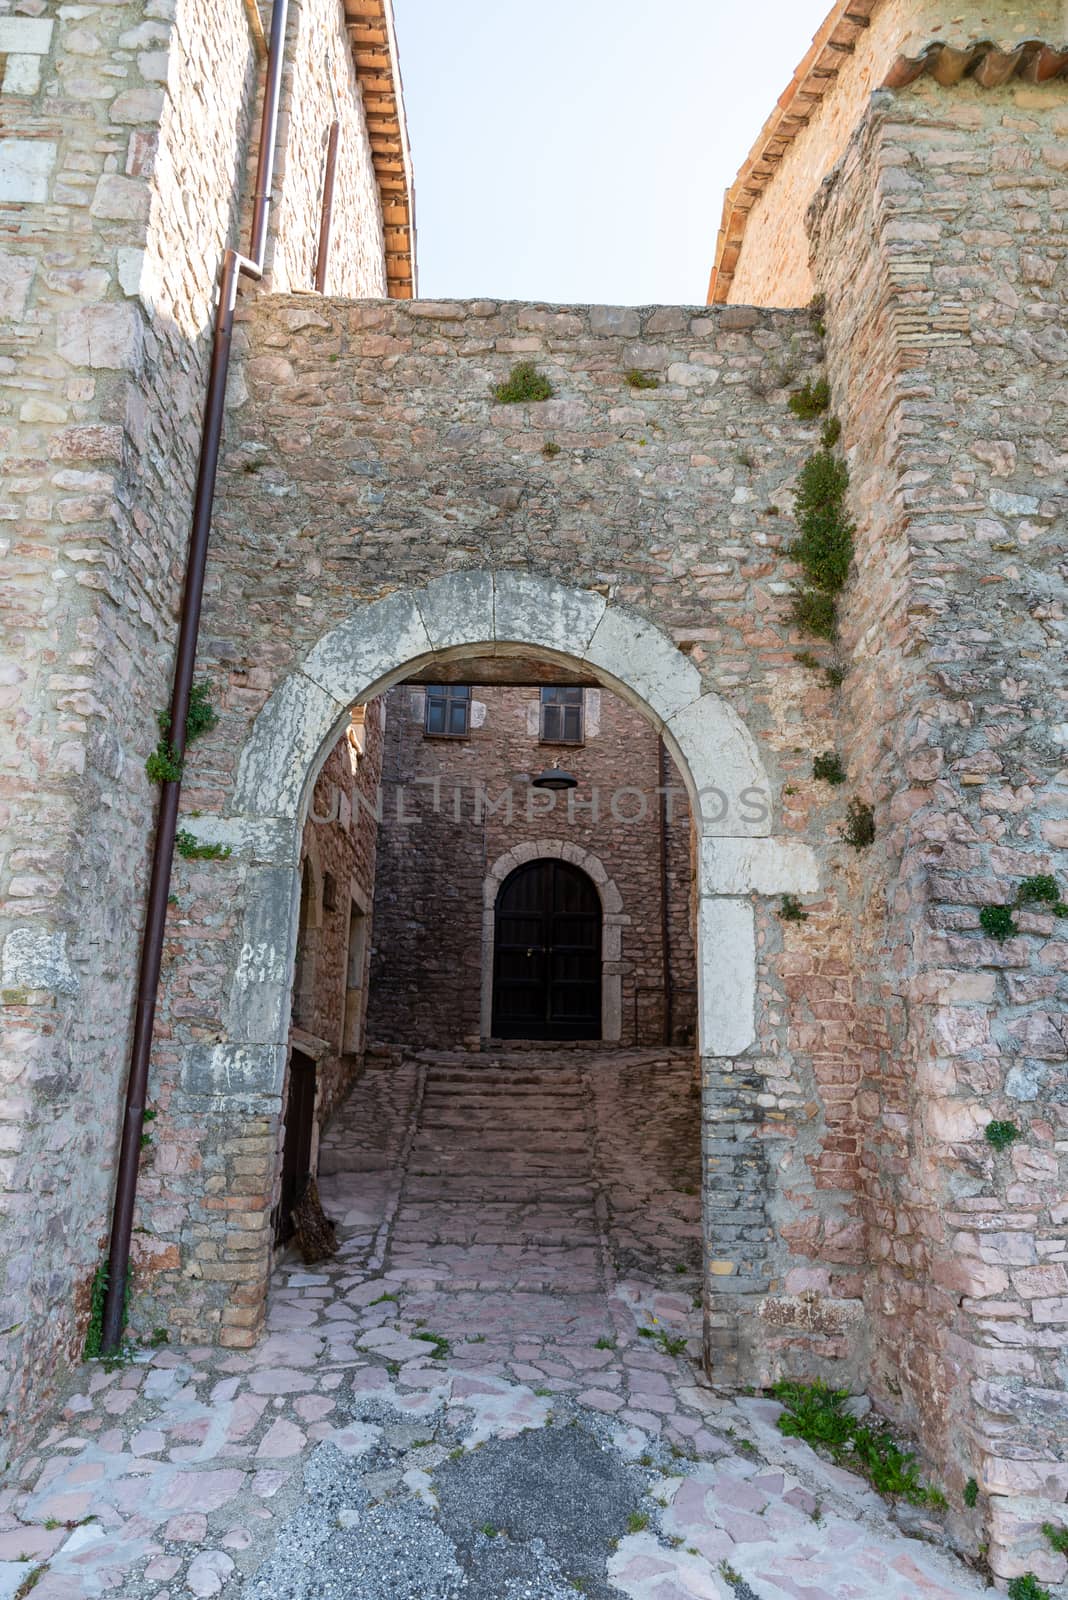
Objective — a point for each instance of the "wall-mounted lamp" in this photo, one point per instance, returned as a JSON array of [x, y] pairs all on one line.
[[554, 777]]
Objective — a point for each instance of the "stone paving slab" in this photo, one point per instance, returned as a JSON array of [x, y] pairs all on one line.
[[405, 1431]]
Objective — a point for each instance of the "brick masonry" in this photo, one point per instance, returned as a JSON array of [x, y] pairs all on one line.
[[471, 803]]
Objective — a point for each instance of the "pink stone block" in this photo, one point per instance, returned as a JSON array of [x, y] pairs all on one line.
[[282, 1439]]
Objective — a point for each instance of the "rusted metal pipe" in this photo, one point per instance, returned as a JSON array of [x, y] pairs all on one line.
[[185, 660], [665, 917], [326, 220]]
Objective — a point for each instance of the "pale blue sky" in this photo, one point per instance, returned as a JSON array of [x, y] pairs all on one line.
[[579, 149]]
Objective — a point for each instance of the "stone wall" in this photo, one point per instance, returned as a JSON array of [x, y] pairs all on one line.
[[103, 354], [774, 268], [369, 455], [941, 248], [320, 84], [470, 803], [340, 845], [126, 127]]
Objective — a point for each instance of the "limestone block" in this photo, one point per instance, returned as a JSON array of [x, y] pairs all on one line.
[[259, 997], [729, 789], [290, 732], [120, 199], [22, 75], [130, 264], [652, 672], [953, 1121], [103, 336], [137, 105], [1025, 1080], [726, 975], [16, 276], [31, 36], [458, 609], [25, 168], [34, 958], [272, 840], [227, 1069], [620, 321], [532, 610], [764, 866], [375, 644]]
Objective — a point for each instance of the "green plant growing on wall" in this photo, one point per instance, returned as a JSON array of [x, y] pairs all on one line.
[[1001, 1134], [859, 827], [641, 380], [550, 449], [1045, 890], [824, 548], [791, 909], [1042, 887], [816, 613], [524, 384], [828, 767], [811, 400], [830, 433], [190, 849], [1027, 1587], [971, 1493], [94, 1333], [164, 765], [997, 922], [201, 717], [1056, 1537]]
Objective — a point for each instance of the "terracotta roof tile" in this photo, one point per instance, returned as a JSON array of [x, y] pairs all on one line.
[[1033, 61], [374, 53]]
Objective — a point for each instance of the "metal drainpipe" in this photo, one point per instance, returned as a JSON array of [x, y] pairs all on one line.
[[326, 220], [234, 265], [665, 920]]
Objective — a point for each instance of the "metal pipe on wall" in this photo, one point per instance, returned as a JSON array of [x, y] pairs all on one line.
[[326, 220], [234, 265]]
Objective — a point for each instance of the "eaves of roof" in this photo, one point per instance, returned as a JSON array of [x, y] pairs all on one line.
[[374, 51], [1033, 61]]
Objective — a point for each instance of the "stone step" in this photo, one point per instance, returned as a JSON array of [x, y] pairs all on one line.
[[489, 1191], [506, 1080], [478, 1143], [506, 1116]]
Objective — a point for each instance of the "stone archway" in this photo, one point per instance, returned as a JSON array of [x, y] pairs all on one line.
[[613, 919], [510, 611], [517, 612]]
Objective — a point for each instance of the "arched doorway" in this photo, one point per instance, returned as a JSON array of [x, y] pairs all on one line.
[[547, 954], [379, 644]]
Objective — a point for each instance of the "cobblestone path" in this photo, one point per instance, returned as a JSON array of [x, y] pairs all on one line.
[[491, 1393]]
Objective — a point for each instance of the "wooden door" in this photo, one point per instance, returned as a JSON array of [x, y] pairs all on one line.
[[547, 954], [297, 1141]]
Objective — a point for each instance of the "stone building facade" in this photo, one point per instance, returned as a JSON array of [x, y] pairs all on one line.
[[460, 814], [124, 172], [337, 872], [380, 512]]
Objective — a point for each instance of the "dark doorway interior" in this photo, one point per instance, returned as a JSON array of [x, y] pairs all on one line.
[[547, 954], [297, 1144]]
